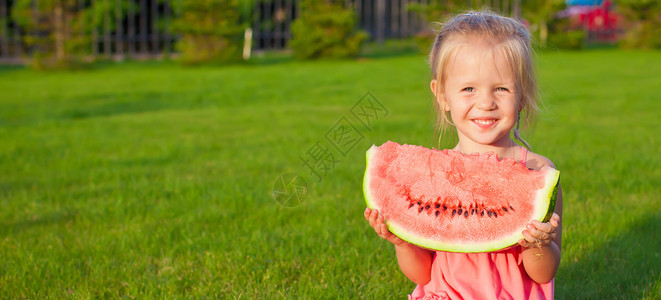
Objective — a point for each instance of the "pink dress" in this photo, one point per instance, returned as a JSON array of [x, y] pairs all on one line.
[[489, 275]]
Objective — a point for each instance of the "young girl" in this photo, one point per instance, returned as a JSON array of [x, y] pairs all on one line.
[[483, 80]]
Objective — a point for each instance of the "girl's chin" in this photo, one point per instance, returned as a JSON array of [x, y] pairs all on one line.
[[485, 142]]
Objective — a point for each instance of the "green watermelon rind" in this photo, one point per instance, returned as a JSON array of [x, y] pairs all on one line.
[[545, 200], [554, 199]]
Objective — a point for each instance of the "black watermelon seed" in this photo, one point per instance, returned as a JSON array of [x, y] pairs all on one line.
[[437, 212], [459, 211], [437, 205], [454, 212], [411, 205], [419, 203], [420, 209], [495, 214], [489, 213], [445, 207], [482, 214], [505, 208], [466, 214], [512, 208], [427, 206]]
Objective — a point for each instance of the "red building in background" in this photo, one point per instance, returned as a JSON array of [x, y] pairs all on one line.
[[596, 17]]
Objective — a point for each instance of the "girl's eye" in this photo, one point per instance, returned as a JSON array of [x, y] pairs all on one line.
[[469, 89], [502, 89]]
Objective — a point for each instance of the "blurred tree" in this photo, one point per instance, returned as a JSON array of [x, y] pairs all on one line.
[[539, 13], [643, 23], [564, 35], [58, 33], [437, 10], [326, 29], [209, 30], [433, 13]]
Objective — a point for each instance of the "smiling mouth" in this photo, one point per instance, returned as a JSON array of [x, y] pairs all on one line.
[[484, 123]]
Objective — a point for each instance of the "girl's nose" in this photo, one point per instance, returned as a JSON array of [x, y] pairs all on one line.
[[486, 102]]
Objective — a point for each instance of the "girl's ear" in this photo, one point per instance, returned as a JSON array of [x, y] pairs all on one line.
[[438, 95], [432, 86]]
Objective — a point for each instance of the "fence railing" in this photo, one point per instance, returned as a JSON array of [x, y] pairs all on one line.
[[141, 30]]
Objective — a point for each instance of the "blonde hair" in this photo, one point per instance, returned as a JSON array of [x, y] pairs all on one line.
[[503, 33]]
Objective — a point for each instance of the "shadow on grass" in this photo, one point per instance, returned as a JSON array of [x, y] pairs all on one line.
[[47, 219], [389, 52], [370, 51], [5, 69], [107, 104], [626, 266]]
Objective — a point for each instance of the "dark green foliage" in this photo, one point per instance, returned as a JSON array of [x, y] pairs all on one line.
[[643, 23], [58, 33], [570, 39], [209, 30], [49, 31], [540, 14], [434, 13], [437, 10], [563, 36], [326, 30]]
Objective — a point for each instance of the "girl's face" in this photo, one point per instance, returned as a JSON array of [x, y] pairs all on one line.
[[479, 93]]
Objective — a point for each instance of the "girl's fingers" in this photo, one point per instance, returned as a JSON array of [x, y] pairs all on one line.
[[375, 220], [537, 239], [544, 227], [548, 226], [384, 231], [372, 217], [379, 226], [540, 234], [528, 237], [533, 240], [389, 236], [544, 236], [525, 243]]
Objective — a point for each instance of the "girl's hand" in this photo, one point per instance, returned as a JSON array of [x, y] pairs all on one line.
[[414, 261], [540, 234], [376, 221]]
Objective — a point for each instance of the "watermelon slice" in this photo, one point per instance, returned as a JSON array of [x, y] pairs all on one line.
[[445, 200]]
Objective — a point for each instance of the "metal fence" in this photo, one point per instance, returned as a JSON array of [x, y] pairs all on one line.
[[142, 31]]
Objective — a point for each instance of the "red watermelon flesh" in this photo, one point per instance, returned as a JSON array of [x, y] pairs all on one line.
[[446, 200]]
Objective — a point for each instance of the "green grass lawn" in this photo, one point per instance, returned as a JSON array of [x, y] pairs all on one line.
[[152, 180]]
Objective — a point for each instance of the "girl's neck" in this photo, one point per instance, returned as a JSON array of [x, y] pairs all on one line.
[[508, 149]]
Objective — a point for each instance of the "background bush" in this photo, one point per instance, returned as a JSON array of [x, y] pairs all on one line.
[[433, 13], [570, 39], [564, 36], [326, 29], [642, 22], [58, 33], [539, 15], [210, 30]]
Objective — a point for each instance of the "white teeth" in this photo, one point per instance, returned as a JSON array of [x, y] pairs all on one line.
[[484, 122]]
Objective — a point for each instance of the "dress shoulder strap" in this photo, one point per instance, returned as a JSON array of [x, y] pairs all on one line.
[[524, 155]]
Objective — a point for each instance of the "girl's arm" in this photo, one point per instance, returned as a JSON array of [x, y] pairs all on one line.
[[541, 246], [415, 262]]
